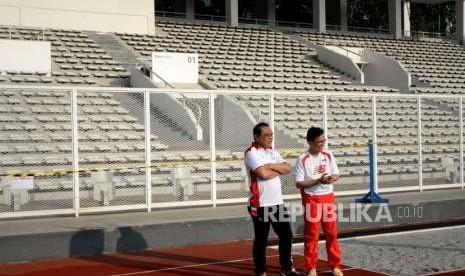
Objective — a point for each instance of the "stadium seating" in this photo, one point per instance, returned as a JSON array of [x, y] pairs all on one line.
[[240, 57], [76, 59], [436, 63]]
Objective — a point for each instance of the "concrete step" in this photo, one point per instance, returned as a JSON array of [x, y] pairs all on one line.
[[115, 48]]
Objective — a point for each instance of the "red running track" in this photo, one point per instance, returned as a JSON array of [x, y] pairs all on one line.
[[203, 260]]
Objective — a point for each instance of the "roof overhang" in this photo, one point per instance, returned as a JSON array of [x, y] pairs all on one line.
[[431, 1]]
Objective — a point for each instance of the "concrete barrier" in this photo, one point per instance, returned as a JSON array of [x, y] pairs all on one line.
[[340, 59], [386, 71], [181, 115]]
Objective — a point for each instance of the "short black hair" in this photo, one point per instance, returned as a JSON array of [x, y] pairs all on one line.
[[257, 129], [313, 133]]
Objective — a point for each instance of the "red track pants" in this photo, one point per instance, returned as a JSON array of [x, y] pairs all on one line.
[[320, 209]]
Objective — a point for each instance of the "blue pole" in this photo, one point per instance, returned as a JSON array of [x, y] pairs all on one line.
[[372, 166], [371, 196]]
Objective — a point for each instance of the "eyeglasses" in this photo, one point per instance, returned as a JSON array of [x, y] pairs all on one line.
[[319, 141]]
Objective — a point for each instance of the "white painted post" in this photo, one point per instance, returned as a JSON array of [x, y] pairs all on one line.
[[75, 151], [148, 152]]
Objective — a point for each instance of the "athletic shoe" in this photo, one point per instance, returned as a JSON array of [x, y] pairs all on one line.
[[292, 272], [312, 272], [337, 272]]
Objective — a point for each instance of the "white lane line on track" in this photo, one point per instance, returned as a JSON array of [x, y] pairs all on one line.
[[389, 234], [406, 232], [346, 269], [442, 272], [186, 266]]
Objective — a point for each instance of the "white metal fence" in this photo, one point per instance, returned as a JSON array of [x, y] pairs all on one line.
[[71, 150]]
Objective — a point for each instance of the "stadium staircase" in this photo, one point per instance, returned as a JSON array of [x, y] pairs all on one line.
[[113, 47], [310, 45]]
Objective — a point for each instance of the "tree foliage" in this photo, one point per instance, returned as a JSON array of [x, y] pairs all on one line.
[[360, 13], [368, 13], [423, 17], [433, 17]]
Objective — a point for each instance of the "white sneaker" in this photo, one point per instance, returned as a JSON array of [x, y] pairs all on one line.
[[337, 272], [312, 272]]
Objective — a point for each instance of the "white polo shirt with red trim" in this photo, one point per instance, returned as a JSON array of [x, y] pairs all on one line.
[[312, 167], [263, 192]]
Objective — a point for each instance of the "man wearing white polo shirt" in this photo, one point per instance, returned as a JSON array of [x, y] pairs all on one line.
[[315, 173], [264, 166]]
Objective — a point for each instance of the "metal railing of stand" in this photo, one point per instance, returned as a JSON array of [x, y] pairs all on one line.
[[152, 73], [170, 14], [40, 35]]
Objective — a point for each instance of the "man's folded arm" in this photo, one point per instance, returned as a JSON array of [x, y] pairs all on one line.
[[283, 168], [264, 172]]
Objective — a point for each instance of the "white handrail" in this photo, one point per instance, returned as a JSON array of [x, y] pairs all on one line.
[[362, 56], [233, 92], [199, 108], [152, 73]]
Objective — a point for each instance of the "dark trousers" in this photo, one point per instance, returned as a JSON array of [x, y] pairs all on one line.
[[262, 220]]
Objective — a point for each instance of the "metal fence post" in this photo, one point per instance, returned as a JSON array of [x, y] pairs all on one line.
[[211, 103], [148, 151], [325, 118], [75, 151], [375, 146], [271, 99], [461, 141], [372, 195], [420, 148]]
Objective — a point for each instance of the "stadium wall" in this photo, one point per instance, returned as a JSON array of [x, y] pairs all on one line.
[[102, 15], [383, 70], [335, 57]]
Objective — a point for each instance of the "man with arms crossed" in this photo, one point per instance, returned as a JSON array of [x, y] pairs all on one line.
[[264, 166]]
